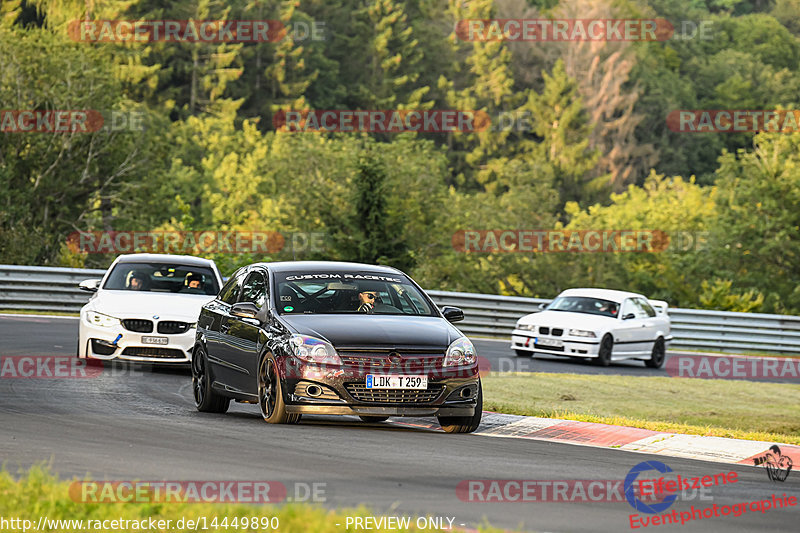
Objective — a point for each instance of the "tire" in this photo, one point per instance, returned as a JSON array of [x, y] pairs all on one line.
[[604, 355], [270, 394], [523, 353], [205, 399], [373, 419], [464, 424], [658, 355]]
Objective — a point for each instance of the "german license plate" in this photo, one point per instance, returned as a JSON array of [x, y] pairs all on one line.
[[549, 342], [154, 340], [396, 381]]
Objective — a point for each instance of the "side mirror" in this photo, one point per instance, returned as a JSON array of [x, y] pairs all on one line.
[[542, 307], [89, 285], [452, 314], [244, 310], [628, 316]]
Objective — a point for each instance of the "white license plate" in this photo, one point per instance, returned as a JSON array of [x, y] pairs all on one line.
[[155, 340], [549, 342], [396, 381]]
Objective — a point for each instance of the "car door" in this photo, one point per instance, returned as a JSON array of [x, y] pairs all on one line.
[[217, 341], [244, 334], [629, 334], [651, 325]]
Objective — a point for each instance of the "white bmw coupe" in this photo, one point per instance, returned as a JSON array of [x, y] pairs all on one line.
[[601, 324], [145, 308]]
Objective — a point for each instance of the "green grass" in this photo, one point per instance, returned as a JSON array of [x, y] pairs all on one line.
[[38, 493], [723, 408], [29, 312]]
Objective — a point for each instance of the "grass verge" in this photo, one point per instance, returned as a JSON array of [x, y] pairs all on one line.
[[38, 493], [29, 312], [722, 408]]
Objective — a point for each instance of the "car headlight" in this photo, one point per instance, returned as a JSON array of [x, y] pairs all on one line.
[[581, 333], [99, 319], [460, 353], [313, 350], [528, 327]]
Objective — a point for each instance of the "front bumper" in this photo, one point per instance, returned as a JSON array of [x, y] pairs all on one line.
[[341, 390], [116, 343], [570, 346]]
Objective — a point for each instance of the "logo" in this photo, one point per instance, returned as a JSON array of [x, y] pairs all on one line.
[[630, 484], [394, 359], [155, 317], [778, 466]]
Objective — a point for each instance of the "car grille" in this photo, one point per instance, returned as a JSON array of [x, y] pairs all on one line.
[[556, 332], [549, 348], [154, 353], [360, 392], [379, 361], [138, 325], [170, 327]]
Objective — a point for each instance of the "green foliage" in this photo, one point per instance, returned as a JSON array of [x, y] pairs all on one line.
[[721, 297], [588, 118], [758, 224]]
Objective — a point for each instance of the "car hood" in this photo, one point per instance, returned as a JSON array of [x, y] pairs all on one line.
[[374, 330], [132, 304], [570, 320]]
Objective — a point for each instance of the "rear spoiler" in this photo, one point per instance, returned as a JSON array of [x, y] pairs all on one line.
[[660, 306]]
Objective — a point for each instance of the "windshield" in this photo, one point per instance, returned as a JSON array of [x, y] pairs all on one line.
[[349, 292], [585, 304], [162, 277]]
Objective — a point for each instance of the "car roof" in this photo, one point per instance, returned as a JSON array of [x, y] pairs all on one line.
[[189, 260], [316, 266], [605, 294]]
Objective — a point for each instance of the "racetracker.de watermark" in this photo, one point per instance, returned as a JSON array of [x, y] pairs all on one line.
[[193, 31], [197, 491], [733, 367], [194, 242], [69, 121], [563, 490], [571, 241], [565, 30], [47, 367], [734, 121], [381, 121]]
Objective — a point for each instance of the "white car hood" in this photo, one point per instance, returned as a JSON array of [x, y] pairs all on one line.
[[133, 304], [565, 319]]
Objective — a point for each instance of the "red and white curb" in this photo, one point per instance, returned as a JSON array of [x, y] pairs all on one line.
[[717, 449]]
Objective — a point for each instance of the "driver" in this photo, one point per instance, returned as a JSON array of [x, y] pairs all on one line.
[[193, 281], [136, 281], [366, 300], [609, 307]]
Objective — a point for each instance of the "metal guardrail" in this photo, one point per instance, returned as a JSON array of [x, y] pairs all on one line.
[[692, 329], [56, 289], [44, 288]]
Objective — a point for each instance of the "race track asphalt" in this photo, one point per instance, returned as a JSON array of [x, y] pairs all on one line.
[[129, 423]]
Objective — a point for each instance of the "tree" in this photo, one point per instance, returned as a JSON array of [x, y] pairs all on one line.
[[758, 221]]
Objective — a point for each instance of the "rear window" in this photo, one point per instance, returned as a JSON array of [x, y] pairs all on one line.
[[162, 277], [349, 293]]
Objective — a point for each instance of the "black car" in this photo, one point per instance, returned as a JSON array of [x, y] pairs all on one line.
[[335, 339]]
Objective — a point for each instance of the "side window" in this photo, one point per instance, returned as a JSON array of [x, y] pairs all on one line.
[[254, 290], [230, 292], [646, 308]]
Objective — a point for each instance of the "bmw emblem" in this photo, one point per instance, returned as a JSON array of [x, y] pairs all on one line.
[[155, 317]]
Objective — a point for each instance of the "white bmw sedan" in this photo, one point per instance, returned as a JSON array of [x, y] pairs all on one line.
[[601, 324], [145, 308]]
